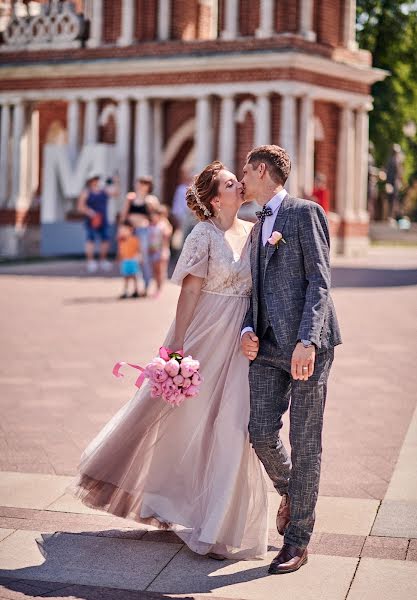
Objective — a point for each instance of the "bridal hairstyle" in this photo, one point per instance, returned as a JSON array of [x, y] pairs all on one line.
[[204, 188], [276, 160]]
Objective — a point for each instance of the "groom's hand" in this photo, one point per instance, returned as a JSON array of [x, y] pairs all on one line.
[[250, 345], [302, 362]]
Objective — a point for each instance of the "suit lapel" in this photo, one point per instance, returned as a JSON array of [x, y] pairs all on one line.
[[256, 232], [279, 225]]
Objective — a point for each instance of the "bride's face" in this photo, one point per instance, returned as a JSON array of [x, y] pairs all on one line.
[[230, 194]]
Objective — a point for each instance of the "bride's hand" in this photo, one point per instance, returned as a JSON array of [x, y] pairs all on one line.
[[177, 345]]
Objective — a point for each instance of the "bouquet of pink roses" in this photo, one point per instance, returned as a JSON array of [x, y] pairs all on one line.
[[172, 376]]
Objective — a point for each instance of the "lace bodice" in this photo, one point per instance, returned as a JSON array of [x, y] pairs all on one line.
[[207, 254]]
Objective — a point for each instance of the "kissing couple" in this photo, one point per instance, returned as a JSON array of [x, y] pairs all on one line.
[[255, 310]]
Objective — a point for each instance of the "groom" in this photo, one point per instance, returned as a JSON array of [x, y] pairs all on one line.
[[288, 334]]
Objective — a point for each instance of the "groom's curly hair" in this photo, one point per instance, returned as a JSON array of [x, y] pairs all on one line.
[[276, 160]]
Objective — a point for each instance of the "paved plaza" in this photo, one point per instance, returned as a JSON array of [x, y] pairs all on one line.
[[62, 332]]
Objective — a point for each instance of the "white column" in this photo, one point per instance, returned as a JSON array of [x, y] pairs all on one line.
[[96, 23], [4, 153], [227, 133], [306, 147], [230, 30], [288, 139], [73, 127], [34, 153], [157, 146], [349, 22], [306, 20], [345, 167], [263, 120], [361, 163], [123, 143], [164, 20], [203, 133], [266, 19], [128, 23], [90, 122], [143, 149], [18, 142]]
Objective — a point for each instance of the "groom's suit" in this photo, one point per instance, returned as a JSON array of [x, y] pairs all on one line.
[[291, 302]]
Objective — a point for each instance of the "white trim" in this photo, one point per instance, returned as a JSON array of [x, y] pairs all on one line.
[[184, 132], [217, 62], [110, 110], [187, 91], [319, 135], [128, 23], [247, 106]]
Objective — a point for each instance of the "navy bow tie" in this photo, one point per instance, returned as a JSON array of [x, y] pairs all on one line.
[[265, 212]]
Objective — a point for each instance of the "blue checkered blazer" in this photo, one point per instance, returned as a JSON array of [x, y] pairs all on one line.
[[296, 278]]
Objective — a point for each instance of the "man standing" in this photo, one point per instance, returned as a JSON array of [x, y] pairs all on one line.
[[292, 351]]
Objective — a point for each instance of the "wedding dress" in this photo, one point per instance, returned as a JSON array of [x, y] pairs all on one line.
[[191, 468]]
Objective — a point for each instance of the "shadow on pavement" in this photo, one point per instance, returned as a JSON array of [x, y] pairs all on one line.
[[70, 557], [369, 278]]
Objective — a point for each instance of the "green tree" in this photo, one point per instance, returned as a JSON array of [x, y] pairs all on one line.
[[388, 29]]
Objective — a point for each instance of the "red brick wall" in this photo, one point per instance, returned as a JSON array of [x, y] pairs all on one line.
[[184, 18], [275, 118], [248, 17], [286, 16], [221, 9], [328, 17], [111, 79], [325, 154], [107, 132], [175, 114], [112, 15], [146, 20], [49, 112], [204, 22], [245, 137]]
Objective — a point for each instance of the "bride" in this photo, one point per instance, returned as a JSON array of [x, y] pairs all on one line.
[[191, 468]]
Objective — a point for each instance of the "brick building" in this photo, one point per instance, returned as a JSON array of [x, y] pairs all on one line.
[[172, 83]]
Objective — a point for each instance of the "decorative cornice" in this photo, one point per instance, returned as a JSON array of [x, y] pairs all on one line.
[[351, 100], [221, 61]]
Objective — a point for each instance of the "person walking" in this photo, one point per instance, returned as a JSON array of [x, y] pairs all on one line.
[[289, 334], [137, 209]]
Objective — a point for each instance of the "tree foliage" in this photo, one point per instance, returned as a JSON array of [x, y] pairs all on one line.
[[388, 29]]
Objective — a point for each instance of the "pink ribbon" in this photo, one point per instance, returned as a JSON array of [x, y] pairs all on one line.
[[119, 365]]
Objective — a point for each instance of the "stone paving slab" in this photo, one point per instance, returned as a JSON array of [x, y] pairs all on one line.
[[20, 589], [403, 483], [82, 559], [19, 490], [396, 519], [324, 577], [350, 516], [384, 580], [358, 458]]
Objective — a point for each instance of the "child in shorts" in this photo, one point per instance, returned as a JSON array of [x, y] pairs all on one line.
[[129, 255]]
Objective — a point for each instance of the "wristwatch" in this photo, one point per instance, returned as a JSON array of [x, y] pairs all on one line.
[[306, 343]]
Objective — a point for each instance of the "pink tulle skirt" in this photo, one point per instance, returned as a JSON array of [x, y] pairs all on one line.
[[189, 468]]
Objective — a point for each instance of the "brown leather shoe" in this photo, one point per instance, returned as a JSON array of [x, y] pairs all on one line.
[[283, 514], [289, 559]]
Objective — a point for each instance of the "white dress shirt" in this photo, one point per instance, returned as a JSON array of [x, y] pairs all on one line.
[[274, 205], [268, 226]]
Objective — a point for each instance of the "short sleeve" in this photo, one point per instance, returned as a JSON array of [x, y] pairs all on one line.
[[194, 257]]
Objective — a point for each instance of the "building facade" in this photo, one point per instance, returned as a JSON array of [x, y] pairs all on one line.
[[138, 87]]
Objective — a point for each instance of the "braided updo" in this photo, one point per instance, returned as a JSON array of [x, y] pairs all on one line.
[[204, 188]]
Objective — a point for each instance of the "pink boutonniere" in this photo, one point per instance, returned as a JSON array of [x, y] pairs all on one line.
[[276, 238]]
